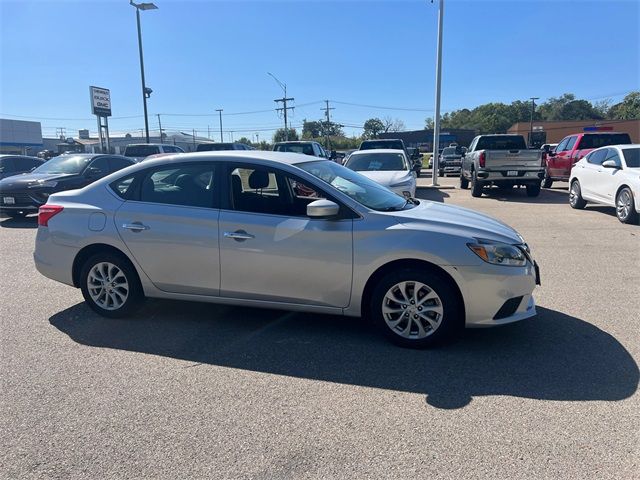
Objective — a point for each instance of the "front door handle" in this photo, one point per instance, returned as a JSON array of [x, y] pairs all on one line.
[[239, 235], [135, 226]]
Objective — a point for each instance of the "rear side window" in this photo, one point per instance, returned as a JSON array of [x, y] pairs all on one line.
[[186, 185], [141, 150], [123, 187], [597, 140], [172, 149], [632, 157]]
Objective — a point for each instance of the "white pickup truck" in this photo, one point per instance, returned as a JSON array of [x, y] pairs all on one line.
[[503, 161]]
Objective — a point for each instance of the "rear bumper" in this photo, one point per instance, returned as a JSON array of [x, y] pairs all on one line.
[[53, 260], [502, 176]]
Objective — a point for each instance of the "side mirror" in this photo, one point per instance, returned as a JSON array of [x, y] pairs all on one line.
[[610, 164], [322, 209], [551, 153]]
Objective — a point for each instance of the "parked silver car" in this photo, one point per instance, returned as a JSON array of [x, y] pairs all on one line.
[[286, 231]]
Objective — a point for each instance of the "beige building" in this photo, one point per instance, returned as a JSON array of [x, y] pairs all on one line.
[[555, 131]]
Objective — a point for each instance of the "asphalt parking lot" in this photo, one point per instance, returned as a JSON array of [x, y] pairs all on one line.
[[203, 391]]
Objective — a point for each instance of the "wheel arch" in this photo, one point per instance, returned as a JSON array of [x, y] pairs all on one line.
[[385, 269], [86, 252], [624, 185]]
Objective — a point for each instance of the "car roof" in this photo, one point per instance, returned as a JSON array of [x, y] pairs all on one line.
[[17, 155], [92, 155], [377, 150], [151, 144], [288, 158], [294, 142]]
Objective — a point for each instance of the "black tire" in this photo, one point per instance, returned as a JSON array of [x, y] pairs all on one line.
[[533, 190], [464, 183], [451, 320], [135, 294], [476, 186], [441, 173], [546, 181], [575, 196], [625, 195]]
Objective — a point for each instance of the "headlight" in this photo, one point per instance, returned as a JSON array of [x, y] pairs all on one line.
[[499, 253], [46, 184], [404, 183]]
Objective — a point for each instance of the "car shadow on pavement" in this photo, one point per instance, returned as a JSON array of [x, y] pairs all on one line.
[[519, 195], [551, 357], [18, 222], [432, 194]]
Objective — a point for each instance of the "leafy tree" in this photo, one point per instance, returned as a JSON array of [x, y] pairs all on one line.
[[429, 124], [311, 129], [372, 128], [244, 140], [628, 109], [279, 136]]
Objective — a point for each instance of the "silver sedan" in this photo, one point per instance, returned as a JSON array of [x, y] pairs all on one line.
[[286, 231]]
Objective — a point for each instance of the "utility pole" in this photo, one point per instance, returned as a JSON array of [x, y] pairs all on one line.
[[160, 127], [436, 123], [194, 139], [219, 110], [533, 109], [327, 123], [208, 132], [62, 133], [257, 138], [284, 101]]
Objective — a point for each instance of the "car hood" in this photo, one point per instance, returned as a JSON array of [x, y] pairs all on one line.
[[387, 177], [436, 216], [31, 179]]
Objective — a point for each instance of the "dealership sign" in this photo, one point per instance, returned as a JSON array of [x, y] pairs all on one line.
[[100, 101]]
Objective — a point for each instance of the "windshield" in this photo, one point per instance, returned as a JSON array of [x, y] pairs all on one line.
[[69, 164], [375, 145], [377, 162], [632, 157], [449, 151], [597, 140], [501, 142], [360, 188], [304, 148]]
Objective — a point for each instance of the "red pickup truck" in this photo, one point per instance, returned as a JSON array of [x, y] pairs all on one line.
[[559, 161]]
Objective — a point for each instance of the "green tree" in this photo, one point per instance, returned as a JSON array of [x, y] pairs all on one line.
[[372, 128], [244, 140], [429, 123], [628, 109], [311, 129], [279, 136]]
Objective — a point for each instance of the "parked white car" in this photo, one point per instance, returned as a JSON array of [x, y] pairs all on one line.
[[390, 168], [609, 176]]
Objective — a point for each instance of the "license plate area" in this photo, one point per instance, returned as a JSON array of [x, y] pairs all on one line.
[[9, 200], [512, 173]]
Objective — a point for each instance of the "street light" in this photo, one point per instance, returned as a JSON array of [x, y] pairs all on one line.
[[146, 92], [219, 110], [436, 123], [533, 109]]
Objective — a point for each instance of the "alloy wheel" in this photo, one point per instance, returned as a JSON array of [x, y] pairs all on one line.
[[623, 205], [574, 193], [412, 310], [107, 286]]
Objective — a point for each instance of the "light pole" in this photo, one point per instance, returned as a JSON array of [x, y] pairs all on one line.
[[436, 123], [284, 101], [533, 109], [219, 110], [146, 92]]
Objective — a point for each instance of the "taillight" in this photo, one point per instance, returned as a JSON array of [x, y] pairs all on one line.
[[46, 212], [481, 159]]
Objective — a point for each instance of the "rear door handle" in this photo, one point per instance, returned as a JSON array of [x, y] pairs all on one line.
[[239, 235], [135, 226]]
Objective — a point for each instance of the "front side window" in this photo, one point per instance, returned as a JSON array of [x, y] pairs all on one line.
[[571, 143], [612, 154], [99, 167], [360, 188], [381, 162], [562, 144], [187, 185], [597, 157]]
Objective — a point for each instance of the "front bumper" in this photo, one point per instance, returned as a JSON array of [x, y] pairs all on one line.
[[486, 289], [13, 202]]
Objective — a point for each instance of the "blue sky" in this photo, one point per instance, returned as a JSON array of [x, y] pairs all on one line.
[[203, 55]]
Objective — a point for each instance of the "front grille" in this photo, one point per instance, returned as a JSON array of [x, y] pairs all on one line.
[[508, 308]]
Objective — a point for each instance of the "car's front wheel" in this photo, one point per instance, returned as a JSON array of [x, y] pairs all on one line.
[[416, 309], [575, 196], [625, 206], [110, 285]]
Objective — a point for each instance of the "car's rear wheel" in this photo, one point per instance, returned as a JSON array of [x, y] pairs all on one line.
[[575, 196], [546, 181], [464, 183], [625, 207], [110, 285], [533, 190], [476, 186], [416, 309]]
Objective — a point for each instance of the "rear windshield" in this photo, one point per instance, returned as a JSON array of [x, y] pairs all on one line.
[[304, 148], [214, 147], [632, 157], [597, 140], [449, 151], [502, 142], [140, 150], [391, 144]]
